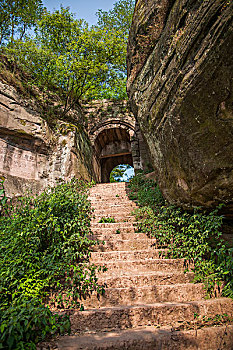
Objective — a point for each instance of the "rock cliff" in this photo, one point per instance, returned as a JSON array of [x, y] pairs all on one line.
[[180, 85], [32, 155]]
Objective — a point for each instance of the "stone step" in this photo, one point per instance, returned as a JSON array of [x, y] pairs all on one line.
[[108, 198], [150, 338], [111, 235], [113, 205], [162, 314], [108, 191], [143, 265], [126, 255], [146, 279], [109, 195], [121, 211], [110, 184], [125, 244], [113, 226], [146, 294], [98, 189], [112, 200]]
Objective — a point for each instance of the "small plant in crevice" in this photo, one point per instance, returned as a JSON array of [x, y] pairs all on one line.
[[44, 253], [118, 231], [195, 236], [107, 219], [3, 197]]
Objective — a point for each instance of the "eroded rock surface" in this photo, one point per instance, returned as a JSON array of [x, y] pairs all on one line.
[[32, 156], [180, 75]]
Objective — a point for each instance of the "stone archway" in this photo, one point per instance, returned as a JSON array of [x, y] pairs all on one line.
[[115, 142], [113, 147]]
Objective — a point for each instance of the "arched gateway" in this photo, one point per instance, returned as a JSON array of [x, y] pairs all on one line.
[[115, 137], [115, 142]]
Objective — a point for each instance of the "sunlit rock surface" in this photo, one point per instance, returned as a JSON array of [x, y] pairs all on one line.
[[32, 155]]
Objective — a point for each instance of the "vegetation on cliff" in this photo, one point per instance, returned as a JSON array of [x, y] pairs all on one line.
[[196, 237], [44, 254], [64, 54]]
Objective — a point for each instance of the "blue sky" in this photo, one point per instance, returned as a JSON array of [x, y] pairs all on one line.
[[85, 9]]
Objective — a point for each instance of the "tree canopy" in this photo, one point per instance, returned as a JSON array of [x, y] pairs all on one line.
[[65, 54], [17, 17]]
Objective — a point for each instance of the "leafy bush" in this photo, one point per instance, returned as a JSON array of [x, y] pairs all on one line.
[[195, 236], [3, 197], [145, 191], [27, 322], [107, 219], [44, 254]]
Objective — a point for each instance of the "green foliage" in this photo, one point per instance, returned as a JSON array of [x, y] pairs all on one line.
[[26, 322], [119, 18], [195, 236], [44, 254], [119, 173], [68, 57], [107, 219], [145, 191], [117, 21], [3, 197], [17, 17]]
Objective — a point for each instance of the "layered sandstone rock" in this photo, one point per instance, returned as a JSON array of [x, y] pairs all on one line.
[[32, 156], [180, 81]]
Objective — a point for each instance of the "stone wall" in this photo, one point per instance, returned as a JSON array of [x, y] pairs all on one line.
[[180, 85]]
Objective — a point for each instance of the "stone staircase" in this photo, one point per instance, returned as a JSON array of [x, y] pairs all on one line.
[[147, 297]]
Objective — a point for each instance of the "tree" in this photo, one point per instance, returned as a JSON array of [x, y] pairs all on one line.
[[117, 21], [74, 60], [119, 173], [17, 17]]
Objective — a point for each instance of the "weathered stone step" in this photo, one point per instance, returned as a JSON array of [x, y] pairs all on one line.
[[126, 244], [143, 265], [150, 338], [126, 255], [147, 294], [109, 197], [112, 200], [113, 226], [113, 206], [111, 236], [121, 211], [98, 189], [162, 314], [146, 279], [107, 189]]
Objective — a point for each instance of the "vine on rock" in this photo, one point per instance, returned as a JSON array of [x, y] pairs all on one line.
[[196, 236]]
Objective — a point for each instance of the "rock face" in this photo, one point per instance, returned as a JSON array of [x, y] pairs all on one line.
[[180, 85], [32, 156]]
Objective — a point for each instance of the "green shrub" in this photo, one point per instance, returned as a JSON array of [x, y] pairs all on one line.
[[195, 236], [145, 191], [44, 253], [107, 219], [3, 197], [26, 322]]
